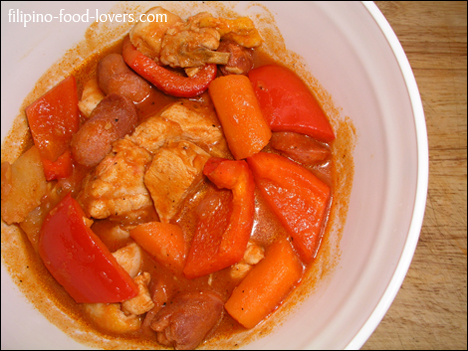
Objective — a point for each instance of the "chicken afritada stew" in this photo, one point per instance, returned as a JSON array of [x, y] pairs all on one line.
[[180, 190]]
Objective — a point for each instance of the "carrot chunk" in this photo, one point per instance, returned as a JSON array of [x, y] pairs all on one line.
[[266, 286], [238, 110], [164, 242]]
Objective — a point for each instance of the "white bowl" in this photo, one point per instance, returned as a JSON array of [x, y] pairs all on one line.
[[352, 51]]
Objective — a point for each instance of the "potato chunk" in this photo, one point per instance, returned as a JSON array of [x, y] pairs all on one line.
[[23, 186]]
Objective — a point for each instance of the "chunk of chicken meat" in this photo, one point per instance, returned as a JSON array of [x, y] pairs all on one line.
[[176, 169], [253, 254], [147, 36], [141, 303], [91, 97], [193, 43], [115, 234], [115, 187], [240, 30], [241, 60], [189, 45], [185, 120], [187, 319], [110, 317], [121, 318], [130, 258]]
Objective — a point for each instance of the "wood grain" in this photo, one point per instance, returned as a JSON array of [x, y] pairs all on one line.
[[430, 311]]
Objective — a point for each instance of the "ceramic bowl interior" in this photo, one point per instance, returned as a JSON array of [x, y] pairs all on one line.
[[352, 51]]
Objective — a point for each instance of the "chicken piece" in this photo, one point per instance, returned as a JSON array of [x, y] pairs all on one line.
[[175, 170], [110, 318], [185, 120], [141, 303], [187, 319], [253, 254], [115, 235], [121, 318], [240, 270], [192, 71], [118, 233], [91, 97], [115, 188], [199, 125], [188, 45], [240, 61], [153, 133], [130, 258], [147, 36], [240, 30], [170, 41]]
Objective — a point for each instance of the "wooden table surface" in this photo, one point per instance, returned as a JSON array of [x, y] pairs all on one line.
[[429, 311]]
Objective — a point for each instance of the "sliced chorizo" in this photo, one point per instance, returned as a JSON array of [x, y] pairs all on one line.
[[114, 76], [113, 118], [187, 319]]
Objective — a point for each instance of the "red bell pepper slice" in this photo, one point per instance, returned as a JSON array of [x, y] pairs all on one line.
[[214, 214], [287, 104], [225, 227], [60, 169], [79, 260], [165, 80], [54, 118], [297, 197]]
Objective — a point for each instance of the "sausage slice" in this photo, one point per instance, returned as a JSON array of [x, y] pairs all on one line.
[[187, 319], [113, 118]]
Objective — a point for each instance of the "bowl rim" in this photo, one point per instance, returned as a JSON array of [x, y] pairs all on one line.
[[421, 182]]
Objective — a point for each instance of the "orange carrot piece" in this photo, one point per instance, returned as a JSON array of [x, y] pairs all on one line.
[[240, 115], [266, 286], [165, 242]]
